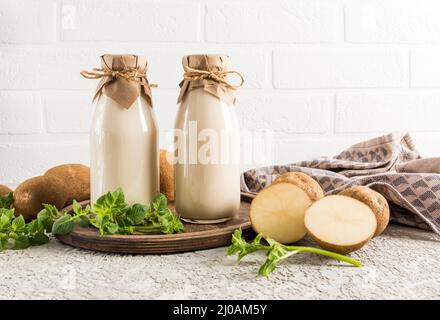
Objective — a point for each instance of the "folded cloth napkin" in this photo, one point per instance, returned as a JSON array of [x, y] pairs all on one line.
[[389, 164], [427, 165]]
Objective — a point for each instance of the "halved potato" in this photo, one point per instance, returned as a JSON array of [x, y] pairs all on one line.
[[340, 223], [303, 181], [278, 210], [377, 203]]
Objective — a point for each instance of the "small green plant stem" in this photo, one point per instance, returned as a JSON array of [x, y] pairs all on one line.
[[326, 253]]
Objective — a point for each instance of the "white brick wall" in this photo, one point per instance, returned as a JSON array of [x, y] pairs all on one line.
[[339, 68], [67, 112], [295, 113], [390, 21], [133, 20], [322, 74], [366, 112], [28, 21], [20, 112], [425, 68], [268, 21]]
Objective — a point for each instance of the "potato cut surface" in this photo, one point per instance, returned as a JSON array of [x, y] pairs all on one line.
[[340, 221], [377, 203], [278, 212]]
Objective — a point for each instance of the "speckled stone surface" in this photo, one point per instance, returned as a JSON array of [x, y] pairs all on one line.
[[402, 263]]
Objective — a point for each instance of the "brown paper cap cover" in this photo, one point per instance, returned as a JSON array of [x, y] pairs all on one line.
[[123, 91], [207, 62]]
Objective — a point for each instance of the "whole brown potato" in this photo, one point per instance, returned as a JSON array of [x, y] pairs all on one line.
[[30, 195], [4, 190], [76, 180], [166, 174]]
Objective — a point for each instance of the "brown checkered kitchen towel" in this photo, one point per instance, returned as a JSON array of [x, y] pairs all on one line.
[[389, 164]]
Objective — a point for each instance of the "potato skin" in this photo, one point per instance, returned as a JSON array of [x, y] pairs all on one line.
[[303, 181], [342, 249], [166, 175], [336, 248], [377, 203], [4, 190], [76, 179], [30, 195]]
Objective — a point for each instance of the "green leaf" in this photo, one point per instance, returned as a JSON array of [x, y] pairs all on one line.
[[13, 235], [136, 214], [173, 224], [43, 215], [8, 213], [100, 222], [111, 228], [3, 244], [21, 242], [109, 208], [39, 239], [18, 223], [35, 230], [34, 226], [63, 225], [118, 196], [44, 220], [110, 212], [5, 221], [7, 200], [84, 221], [114, 200], [160, 202], [77, 208], [80, 214], [47, 216], [276, 253], [94, 222], [243, 248], [87, 210], [52, 211], [237, 242]]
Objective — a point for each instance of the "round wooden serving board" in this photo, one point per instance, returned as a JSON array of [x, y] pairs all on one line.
[[195, 237]]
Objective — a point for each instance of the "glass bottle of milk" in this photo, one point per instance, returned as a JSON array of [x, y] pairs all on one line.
[[124, 135], [207, 143]]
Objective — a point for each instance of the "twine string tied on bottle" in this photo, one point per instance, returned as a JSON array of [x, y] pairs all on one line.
[[129, 74], [192, 74]]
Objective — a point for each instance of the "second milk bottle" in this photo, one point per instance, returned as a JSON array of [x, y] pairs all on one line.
[[207, 142]]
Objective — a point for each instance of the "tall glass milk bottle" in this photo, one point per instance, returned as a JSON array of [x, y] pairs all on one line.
[[124, 135], [207, 142]]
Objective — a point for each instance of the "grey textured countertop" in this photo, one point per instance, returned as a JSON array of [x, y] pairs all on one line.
[[402, 263]]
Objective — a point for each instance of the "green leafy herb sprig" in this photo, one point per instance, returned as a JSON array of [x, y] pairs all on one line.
[[15, 232], [275, 251], [64, 223], [110, 215], [7, 201]]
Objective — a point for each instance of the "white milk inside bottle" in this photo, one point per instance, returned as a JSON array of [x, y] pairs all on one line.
[[207, 144], [124, 137]]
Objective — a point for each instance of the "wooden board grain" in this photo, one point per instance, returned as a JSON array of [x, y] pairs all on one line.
[[195, 237]]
